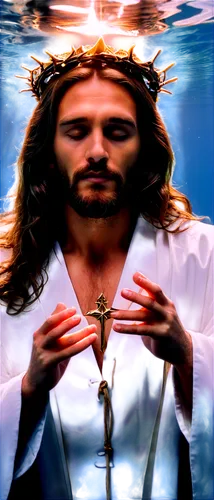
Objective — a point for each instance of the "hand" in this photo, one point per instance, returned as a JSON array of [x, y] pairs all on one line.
[[159, 325], [52, 349]]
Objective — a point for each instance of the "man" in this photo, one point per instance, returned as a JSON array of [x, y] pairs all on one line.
[[92, 421]]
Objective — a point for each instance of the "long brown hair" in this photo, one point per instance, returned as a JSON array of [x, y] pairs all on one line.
[[36, 220]]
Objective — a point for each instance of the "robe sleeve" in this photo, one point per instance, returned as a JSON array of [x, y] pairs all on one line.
[[200, 431], [10, 396]]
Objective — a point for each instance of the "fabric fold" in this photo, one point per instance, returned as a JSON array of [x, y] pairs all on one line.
[[199, 431], [10, 393]]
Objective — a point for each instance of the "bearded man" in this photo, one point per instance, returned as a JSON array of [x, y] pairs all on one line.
[[97, 409]]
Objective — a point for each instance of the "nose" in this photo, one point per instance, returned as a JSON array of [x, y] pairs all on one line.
[[96, 151]]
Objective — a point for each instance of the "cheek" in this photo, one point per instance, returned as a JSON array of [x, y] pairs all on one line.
[[65, 154], [129, 156]]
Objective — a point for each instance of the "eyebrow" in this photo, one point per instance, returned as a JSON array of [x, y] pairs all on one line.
[[113, 119]]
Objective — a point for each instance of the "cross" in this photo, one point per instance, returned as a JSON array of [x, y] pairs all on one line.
[[102, 313]]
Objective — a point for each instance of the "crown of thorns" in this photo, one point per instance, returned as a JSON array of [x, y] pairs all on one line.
[[102, 55]]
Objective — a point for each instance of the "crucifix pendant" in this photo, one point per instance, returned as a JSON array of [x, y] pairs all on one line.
[[102, 313]]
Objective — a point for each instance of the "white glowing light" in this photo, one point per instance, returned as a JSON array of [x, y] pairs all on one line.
[[69, 8], [97, 30], [124, 4], [92, 27]]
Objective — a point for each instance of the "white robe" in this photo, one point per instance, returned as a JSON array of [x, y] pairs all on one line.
[[68, 441]]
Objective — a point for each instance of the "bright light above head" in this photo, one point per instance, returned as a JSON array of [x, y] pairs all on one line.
[[92, 27], [96, 30]]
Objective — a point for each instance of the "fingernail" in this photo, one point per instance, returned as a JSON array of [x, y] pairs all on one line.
[[93, 327], [117, 327], [141, 275], [76, 317], [127, 291]]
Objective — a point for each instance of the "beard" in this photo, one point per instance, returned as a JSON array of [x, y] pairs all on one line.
[[99, 204]]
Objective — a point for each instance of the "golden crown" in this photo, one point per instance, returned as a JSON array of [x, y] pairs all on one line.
[[125, 61]]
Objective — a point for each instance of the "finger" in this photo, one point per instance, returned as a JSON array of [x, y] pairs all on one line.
[[75, 337], [144, 301], [76, 348], [139, 315], [60, 307], [152, 288], [61, 329], [55, 319], [154, 331]]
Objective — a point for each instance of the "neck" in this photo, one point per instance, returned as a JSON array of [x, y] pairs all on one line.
[[98, 239]]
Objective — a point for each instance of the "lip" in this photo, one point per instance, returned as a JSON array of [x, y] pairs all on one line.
[[96, 178]]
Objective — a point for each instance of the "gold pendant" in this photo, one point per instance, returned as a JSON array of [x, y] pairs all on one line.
[[102, 313]]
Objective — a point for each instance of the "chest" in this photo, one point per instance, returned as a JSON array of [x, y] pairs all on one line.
[[88, 283]]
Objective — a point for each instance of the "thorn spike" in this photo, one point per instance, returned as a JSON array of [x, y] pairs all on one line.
[[25, 90], [38, 61], [163, 70], [28, 69], [166, 91], [21, 76], [155, 57], [169, 81], [53, 57]]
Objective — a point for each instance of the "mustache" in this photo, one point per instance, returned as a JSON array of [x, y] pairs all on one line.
[[97, 171]]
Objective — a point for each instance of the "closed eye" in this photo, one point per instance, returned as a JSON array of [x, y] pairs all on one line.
[[112, 132], [116, 133]]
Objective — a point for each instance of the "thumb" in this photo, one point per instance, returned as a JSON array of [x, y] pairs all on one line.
[[60, 307]]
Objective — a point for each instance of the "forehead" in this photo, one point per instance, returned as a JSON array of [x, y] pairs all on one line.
[[97, 96]]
